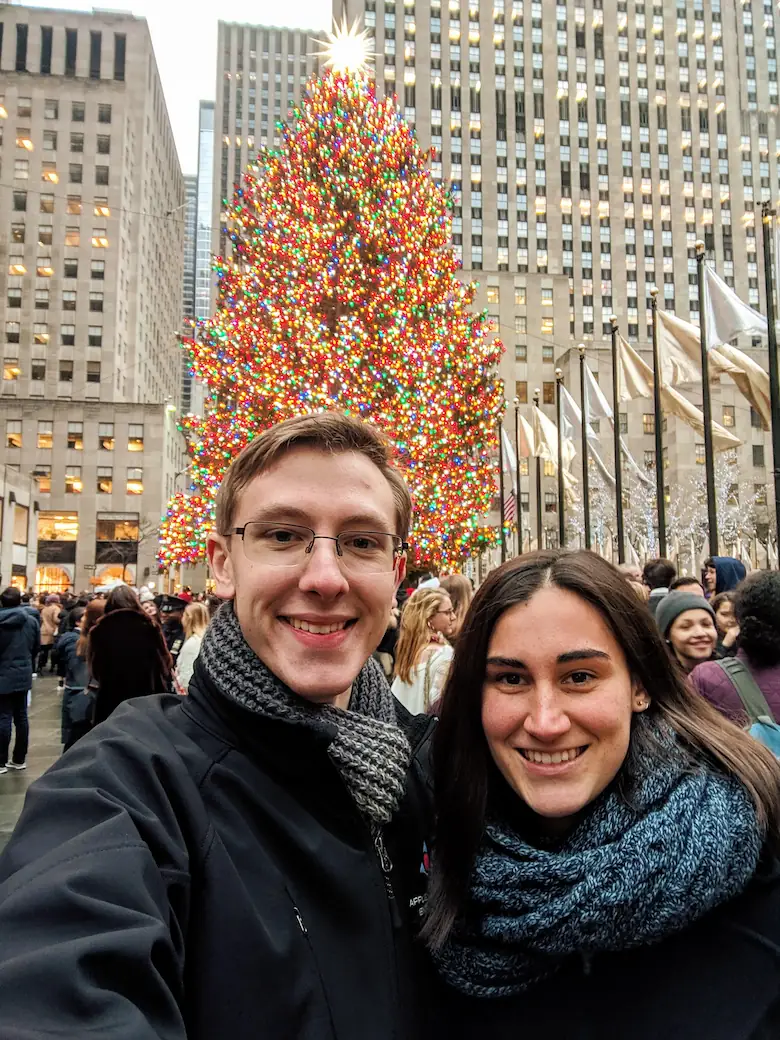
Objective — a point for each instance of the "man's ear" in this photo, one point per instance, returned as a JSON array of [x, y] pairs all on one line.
[[400, 572], [218, 551]]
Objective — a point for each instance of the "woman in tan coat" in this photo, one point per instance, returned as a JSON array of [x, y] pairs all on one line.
[[50, 619]]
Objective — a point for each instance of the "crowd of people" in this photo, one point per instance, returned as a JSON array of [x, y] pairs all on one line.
[[106, 647], [401, 812]]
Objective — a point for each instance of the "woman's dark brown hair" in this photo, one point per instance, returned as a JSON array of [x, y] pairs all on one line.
[[93, 612], [122, 597], [462, 766]]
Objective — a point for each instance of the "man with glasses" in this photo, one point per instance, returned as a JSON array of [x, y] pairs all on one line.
[[249, 860]]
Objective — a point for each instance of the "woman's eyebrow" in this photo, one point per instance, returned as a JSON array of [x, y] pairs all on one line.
[[585, 654]]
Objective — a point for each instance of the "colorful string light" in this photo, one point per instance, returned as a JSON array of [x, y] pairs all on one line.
[[342, 292]]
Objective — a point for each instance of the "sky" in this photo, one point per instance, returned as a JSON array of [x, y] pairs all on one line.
[[185, 44]]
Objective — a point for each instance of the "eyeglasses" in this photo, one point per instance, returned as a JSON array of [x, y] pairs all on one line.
[[450, 613], [288, 545]]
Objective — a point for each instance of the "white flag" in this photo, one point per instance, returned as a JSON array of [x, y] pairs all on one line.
[[679, 350], [510, 459], [598, 406], [572, 424], [526, 439], [725, 315]]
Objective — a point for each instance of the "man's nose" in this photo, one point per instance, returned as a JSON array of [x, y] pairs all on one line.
[[323, 571]]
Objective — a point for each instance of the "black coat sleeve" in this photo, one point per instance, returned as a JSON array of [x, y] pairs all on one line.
[[94, 898]]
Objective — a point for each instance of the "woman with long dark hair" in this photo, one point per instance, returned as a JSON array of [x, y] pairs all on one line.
[[127, 658], [605, 863], [77, 703]]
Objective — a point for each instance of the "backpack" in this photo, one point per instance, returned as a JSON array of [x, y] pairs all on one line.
[[762, 723]]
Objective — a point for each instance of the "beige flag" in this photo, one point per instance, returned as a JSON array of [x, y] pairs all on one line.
[[635, 379], [752, 380], [526, 438]]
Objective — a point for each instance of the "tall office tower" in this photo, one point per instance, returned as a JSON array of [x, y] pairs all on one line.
[[261, 75], [204, 277], [590, 144], [188, 308], [90, 288]]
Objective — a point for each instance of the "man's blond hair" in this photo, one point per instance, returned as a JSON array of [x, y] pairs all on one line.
[[330, 432]]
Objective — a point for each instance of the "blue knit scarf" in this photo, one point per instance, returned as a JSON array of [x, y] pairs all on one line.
[[627, 876]]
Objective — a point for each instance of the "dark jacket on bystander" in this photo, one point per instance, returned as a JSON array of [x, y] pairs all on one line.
[[712, 683], [20, 633]]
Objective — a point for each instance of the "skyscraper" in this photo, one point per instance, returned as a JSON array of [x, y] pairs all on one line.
[[188, 301], [91, 287]]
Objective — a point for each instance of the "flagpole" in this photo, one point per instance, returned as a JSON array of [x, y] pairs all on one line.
[[559, 404], [537, 397], [621, 533], [767, 216], [517, 479], [501, 487], [585, 478], [659, 437], [709, 456]]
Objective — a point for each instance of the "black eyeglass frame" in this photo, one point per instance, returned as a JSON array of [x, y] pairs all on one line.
[[400, 546]]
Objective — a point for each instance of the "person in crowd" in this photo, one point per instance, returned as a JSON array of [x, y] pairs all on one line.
[[726, 623], [122, 597], [630, 571], [606, 856], [50, 619], [19, 645], [461, 593], [687, 623], [640, 590], [658, 575], [195, 622], [148, 604], [722, 574], [77, 703], [687, 583], [253, 855], [756, 607], [171, 610], [423, 653], [126, 657]]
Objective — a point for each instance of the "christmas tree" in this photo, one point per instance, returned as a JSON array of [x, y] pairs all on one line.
[[342, 292]]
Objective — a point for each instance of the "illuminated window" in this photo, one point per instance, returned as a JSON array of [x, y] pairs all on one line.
[[11, 370], [521, 324], [13, 433], [73, 485], [42, 473], [45, 433], [700, 455], [648, 422], [47, 204], [547, 297], [74, 206], [135, 437], [76, 436], [106, 436], [548, 326], [72, 236], [519, 296], [493, 294], [548, 393], [729, 417], [105, 480], [41, 332], [549, 468], [521, 392], [135, 481], [49, 173]]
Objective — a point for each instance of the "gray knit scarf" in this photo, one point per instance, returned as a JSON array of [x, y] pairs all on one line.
[[369, 750], [627, 876]]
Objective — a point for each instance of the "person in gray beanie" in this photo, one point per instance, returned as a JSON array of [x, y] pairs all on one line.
[[687, 623], [252, 859]]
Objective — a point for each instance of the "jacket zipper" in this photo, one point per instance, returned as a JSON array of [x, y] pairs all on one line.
[[387, 866]]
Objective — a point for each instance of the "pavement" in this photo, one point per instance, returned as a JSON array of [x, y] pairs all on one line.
[[45, 749]]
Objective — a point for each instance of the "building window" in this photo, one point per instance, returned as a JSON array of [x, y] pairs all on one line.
[[51, 108], [93, 371], [548, 326], [96, 301], [700, 455], [135, 481], [42, 473], [74, 206], [649, 460], [41, 299], [77, 112], [103, 144], [106, 436], [548, 468], [98, 270], [50, 140], [105, 480], [104, 113], [69, 302], [44, 268], [73, 485], [11, 370], [21, 169], [20, 202], [47, 203], [519, 296], [755, 420], [13, 433], [68, 335], [12, 331], [66, 371], [95, 336], [521, 324], [548, 393], [72, 236], [758, 455], [77, 143], [95, 46], [37, 370], [45, 235], [120, 50], [24, 107], [493, 294], [135, 437], [71, 50], [70, 267], [99, 240], [45, 433], [46, 40], [21, 47], [521, 392], [40, 332], [101, 175], [648, 423], [547, 297], [75, 173], [729, 417], [550, 502], [76, 436]]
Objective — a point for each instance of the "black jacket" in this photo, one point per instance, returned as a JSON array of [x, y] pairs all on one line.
[[72, 667], [719, 980], [20, 636], [190, 869]]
